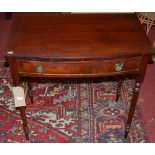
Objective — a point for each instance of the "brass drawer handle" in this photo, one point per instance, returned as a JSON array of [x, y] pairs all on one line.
[[118, 67], [39, 69]]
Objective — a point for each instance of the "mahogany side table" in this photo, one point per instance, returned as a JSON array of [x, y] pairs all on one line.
[[50, 45]]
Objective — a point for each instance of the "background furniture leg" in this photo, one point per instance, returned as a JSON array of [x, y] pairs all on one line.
[[120, 81], [132, 107], [24, 120], [30, 90]]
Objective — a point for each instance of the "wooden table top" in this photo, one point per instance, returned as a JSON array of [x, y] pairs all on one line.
[[77, 36]]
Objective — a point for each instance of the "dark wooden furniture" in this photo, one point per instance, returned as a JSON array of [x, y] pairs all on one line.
[[8, 15], [78, 46]]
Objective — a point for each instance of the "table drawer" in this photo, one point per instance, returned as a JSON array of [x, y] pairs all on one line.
[[83, 68]]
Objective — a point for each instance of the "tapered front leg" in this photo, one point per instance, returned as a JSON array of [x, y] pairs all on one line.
[[132, 107], [17, 82], [118, 89], [24, 120]]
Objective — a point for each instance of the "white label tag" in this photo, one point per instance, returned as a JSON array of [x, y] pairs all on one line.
[[19, 97]]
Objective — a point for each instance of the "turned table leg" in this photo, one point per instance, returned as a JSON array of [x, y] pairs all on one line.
[[118, 89], [132, 107], [17, 82]]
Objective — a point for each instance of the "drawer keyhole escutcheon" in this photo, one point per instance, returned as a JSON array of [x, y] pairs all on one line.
[[118, 67], [39, 69]]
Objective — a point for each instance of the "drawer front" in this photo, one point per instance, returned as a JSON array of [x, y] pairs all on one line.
[[79, 68]]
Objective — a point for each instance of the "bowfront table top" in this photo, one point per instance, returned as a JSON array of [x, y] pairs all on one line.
[[68, 45], [77, 36]]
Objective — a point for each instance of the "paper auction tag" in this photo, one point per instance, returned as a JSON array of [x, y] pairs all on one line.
[[19, 97]]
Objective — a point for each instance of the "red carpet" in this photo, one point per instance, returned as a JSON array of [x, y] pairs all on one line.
[[147, 100], [71, 112]]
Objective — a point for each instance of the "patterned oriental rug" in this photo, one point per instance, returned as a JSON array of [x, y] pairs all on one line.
[[70, 112]]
